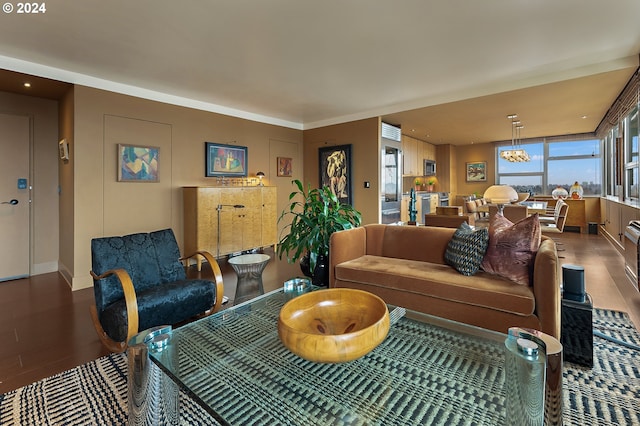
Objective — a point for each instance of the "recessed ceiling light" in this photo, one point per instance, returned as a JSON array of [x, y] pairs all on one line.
[[27, 84], [584, 116]]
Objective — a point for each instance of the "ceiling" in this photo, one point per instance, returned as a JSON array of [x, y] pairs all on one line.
[[447, 72]]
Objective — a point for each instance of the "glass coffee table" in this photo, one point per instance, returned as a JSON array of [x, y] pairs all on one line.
[[427, 371]]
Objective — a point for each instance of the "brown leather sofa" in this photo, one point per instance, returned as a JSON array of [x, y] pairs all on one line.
[[405, 266]]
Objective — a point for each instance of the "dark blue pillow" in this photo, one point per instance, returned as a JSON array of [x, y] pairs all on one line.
[[466, 249]]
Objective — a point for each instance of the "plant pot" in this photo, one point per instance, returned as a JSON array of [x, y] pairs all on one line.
[[320, 276]]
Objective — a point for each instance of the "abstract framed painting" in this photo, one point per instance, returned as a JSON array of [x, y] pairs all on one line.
[[225, 160], [138, 163], [335, 171]]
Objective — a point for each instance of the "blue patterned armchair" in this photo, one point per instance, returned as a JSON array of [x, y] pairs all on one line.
[[140, 282]]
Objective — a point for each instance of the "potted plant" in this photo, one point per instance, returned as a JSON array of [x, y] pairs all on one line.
[[430, 183], [315, 214], [418, 184]]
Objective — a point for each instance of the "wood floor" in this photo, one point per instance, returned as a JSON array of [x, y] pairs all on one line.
[[45, 328]]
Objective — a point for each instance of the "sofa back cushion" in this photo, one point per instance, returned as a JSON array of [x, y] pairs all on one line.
[[168, 255], [422, 243], [134, 253]]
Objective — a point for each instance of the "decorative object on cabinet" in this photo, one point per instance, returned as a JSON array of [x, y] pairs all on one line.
[[225, 160], [240, 229], [335, 171], [576, 191], [315, 214], [476, 172], [559, 193], [430, 184], [285, 168], [138, 163], [260, 176]]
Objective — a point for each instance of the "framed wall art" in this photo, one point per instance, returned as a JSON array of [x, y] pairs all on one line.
[[138, 163], [225, 160], [285, 168], [335, 171], [477, 172]]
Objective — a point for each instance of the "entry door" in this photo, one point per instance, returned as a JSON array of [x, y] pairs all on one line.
[[14, 218]]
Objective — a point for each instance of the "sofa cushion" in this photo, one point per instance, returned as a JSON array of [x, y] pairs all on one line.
[[466, 249], [167, 304], [438, 280], [424, 243], [512, 248], [168, 255]]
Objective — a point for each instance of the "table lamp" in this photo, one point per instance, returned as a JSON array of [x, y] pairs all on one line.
[[260, 175], [500, 195]]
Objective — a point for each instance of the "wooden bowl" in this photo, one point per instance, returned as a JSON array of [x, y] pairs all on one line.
[[334, 325]]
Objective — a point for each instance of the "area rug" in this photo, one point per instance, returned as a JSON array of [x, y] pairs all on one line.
[[96, 393]]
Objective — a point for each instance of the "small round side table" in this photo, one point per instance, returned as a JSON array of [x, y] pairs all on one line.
[[249, 268]]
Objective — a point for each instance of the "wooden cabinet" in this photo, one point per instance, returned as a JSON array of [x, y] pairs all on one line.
[[410, 156], [228, 220], [576, 215], [414, 152], [616, 216]]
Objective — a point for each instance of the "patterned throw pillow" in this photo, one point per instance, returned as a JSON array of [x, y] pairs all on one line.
[[512, 248], [466, 249]]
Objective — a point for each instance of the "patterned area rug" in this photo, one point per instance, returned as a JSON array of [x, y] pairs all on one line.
[[96, 393]]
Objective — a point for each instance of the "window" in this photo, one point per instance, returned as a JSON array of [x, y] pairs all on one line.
[[555, 162], [631, 155], [523, 177]]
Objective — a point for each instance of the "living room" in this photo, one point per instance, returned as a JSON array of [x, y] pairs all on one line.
[[81, 198]]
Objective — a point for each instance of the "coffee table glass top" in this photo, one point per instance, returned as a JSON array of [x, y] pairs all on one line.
[[234, 365]]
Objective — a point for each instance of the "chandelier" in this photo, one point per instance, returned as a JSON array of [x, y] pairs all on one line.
[[516, 154]]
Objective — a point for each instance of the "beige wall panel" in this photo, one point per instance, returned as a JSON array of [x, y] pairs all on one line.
[[279, 148], [363, 135], [127, 205], [65, 177], [470, 154]]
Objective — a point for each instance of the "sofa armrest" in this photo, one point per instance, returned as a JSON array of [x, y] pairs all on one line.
[[131, 302], [546, 287], [217, 274], [346, 245]]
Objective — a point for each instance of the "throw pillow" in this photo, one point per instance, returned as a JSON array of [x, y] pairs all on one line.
[[466, 249], [512, 248]]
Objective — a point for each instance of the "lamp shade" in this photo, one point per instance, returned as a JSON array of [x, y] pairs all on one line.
[[500, 194]]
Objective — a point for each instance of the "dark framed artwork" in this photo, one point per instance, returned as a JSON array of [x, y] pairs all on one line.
[[138, 163], [225, 160], [477, 172], [285, 168], [335, 171]]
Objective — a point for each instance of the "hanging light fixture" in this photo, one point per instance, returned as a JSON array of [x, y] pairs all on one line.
[[516, 154]]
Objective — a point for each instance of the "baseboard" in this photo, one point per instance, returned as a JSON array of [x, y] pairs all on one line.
[[44, 268]]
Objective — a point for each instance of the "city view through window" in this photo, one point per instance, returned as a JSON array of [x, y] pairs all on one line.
[[554, 164]]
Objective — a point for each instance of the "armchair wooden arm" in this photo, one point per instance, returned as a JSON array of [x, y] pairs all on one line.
[[131, 302], [217, 274]]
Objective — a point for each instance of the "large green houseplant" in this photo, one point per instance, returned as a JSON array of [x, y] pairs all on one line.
[[315, 214]]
